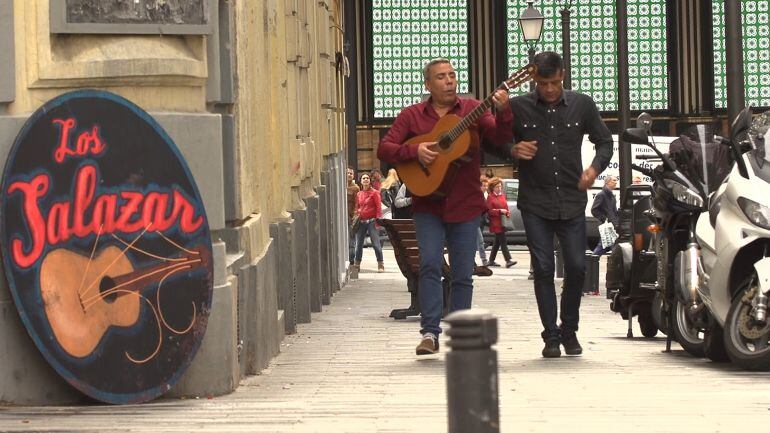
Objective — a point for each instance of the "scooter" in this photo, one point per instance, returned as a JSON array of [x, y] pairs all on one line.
[[631, 265], [731, 275]]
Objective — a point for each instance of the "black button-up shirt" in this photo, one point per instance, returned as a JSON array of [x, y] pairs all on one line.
[[548, 183]]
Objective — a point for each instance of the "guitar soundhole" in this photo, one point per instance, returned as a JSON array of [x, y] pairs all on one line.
[[444, 142], [106, 284]]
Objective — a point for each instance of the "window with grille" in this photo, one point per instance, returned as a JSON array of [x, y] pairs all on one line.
[[406, 34], [755, 17], [593, 45]]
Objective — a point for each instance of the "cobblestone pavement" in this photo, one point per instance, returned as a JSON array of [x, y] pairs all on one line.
[[353, 369]]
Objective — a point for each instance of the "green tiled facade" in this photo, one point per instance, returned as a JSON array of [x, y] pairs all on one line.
[[593, 34], [756, 52], [405, 35]]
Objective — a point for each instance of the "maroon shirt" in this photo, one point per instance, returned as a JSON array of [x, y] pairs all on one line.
[[464, 200]]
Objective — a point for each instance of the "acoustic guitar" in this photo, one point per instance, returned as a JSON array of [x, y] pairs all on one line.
[[454, 143], [83, 298]]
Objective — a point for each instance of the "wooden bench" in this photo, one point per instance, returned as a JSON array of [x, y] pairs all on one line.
[[403, 238]]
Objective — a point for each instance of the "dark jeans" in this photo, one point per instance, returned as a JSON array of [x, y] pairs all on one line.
[[599, 249], [572, 237], [500, 243]]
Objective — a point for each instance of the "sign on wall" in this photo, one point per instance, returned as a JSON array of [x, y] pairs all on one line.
[[132, 17], [106, 246]]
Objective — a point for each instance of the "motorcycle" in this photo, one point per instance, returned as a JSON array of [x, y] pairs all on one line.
[[731, 277], [632, 263], [713, 265]]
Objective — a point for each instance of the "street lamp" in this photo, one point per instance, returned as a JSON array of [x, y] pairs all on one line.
[[531, 25], [565, 42]]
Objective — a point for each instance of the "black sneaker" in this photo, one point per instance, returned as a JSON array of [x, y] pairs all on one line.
[[492, 264], [571, 345], [551, 349], [510, 263]]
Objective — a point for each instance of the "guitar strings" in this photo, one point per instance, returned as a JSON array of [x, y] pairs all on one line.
[[177, 245], [160, 332], [160, 309], [122, 253], [147, 253]]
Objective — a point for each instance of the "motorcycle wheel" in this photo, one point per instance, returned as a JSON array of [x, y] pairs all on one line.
[[714, 342], [658, 316], [685, 332], [647, 323], [746, 344]]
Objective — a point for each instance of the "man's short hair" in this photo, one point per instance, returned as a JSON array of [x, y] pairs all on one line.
[[548, 64], [608, 179], [426, 69]]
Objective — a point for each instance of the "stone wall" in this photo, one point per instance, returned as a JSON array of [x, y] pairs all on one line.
[[256, 107]]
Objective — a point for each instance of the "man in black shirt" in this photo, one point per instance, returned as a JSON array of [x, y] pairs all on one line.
[[548, 130]]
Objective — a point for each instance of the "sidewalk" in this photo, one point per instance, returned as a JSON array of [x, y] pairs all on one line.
[[353, 369]]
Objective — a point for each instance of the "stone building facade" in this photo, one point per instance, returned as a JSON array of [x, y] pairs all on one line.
[[252, 94]]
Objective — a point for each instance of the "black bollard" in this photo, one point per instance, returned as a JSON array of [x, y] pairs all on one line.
[[471, 373]]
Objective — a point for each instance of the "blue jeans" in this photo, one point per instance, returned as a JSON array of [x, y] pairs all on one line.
[[481, 247], [572, 237], [351, 246], [367, 227], [461, 243]]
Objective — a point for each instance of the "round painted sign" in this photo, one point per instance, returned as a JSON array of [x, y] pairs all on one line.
[[106, 246]]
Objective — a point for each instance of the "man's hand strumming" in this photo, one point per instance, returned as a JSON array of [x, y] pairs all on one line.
[[425, 154]]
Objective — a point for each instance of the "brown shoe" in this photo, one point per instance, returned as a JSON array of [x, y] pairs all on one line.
[[428, 345], [482, 271], [380, 267]]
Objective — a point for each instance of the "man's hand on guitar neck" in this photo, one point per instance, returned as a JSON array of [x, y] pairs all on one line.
[[524, 150], [425, 155], [500, 99]]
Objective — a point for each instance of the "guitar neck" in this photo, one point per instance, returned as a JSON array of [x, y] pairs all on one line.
[[470, 118], [513, 81], [140, 278]]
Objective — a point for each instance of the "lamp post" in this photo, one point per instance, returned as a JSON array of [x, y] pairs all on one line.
[[624, 98], [734, 51], [565, 42], [531, 25]]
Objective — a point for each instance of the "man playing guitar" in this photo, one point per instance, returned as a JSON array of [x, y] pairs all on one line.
[[453, 218]]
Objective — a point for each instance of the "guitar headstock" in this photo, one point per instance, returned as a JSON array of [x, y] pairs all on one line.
[[519, 77]]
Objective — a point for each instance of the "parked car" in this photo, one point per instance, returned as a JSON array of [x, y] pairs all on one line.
[[514, 226]]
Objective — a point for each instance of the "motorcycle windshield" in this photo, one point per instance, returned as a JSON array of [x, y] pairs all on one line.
[[701, 158], [759, 135]]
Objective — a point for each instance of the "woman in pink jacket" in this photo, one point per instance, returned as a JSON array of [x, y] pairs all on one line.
[[368, 209], [497, 206]]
